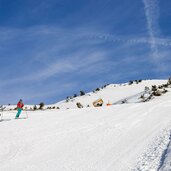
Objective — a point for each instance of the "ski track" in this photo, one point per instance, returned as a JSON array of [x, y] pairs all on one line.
[[151, 159]]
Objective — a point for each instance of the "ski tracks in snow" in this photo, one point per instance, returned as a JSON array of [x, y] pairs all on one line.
[[152, 159]]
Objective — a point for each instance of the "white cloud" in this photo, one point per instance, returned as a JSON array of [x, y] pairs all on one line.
[[65, 50], [79, 61]]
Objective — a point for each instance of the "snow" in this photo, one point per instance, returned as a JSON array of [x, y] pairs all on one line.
[[123, 137], [114, 93], [166, 158]]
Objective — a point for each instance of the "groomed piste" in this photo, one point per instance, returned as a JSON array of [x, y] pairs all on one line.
[[134, 136]]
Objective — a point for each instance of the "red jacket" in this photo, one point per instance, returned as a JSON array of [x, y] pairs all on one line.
[[20, 105]]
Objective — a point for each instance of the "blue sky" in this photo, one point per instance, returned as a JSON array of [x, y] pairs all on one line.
[[51, 49]]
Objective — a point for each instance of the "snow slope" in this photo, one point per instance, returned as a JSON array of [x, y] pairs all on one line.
[[113, 93], [129, 137]]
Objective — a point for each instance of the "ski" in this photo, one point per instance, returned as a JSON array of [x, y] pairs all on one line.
[[20, 118]]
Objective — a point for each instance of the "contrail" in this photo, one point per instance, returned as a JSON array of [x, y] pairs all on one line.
[[152, 14], [130, 41]]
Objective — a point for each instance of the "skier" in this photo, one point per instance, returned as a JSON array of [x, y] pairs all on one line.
[[20, 106]]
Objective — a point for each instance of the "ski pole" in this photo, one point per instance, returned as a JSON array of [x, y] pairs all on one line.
[[26, 112], [1, 113], [0, 116]]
